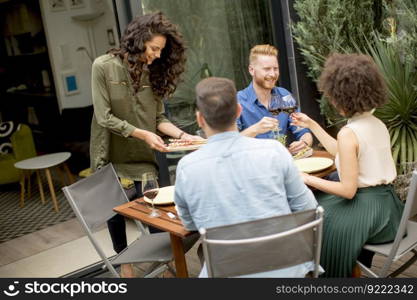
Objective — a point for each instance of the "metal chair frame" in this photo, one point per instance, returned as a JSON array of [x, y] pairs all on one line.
[[315, 226], [157, 246], [402, 244]]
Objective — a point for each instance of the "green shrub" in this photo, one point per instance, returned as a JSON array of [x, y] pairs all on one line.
[[386, 30], [400, 113], [327, 26]]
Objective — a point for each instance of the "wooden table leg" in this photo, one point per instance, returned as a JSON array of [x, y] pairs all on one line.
[[38, 177], [69, 174], [61, 175], [179, 256], [22, 189], [51, 189], [29, 185]]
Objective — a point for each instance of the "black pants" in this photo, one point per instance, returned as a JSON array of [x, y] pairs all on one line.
[[117, 225], [366, 257]]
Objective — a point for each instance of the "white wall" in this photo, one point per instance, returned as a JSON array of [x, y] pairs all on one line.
[[65, 35]]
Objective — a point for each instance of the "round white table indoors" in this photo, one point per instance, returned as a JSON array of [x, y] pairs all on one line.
[[43, 162]]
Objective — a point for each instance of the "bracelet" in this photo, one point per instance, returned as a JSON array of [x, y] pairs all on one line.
[[181, 134]]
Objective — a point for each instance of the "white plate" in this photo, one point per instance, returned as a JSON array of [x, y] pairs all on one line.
[[313, 164], [165, 196]]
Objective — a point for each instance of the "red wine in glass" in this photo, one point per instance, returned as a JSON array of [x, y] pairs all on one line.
[[150, 190], [151, 194], [275, 112]]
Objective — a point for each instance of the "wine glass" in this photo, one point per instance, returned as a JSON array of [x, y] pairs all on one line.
[[150, 190], [289, 106], [275, 107]]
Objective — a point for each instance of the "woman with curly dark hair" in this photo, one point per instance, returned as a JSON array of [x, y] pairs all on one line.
[[128, 86], [362, 208]]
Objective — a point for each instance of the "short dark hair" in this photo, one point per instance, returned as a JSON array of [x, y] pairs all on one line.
[[353, 83], [216, 101]]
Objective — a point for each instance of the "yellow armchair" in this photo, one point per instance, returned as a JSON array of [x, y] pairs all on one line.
[[23, 148]]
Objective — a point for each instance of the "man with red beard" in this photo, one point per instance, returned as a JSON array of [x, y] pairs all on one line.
[[256, 120]]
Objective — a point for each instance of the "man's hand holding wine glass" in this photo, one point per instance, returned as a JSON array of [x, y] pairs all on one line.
[[266, 124]]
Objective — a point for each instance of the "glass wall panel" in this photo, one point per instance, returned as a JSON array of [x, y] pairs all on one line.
[[219, 35]]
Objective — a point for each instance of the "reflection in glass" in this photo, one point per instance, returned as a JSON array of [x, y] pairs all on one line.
[[219, 35]]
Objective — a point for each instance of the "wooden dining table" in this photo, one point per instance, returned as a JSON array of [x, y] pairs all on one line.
[[139, 210]]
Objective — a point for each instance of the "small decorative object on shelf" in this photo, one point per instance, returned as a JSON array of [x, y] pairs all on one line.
[[45, 80]]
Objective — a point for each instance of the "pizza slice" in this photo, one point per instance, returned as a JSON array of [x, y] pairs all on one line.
[[305, 152], [177, 144]]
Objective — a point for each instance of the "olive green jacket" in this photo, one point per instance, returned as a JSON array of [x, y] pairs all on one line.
[[117, 112]]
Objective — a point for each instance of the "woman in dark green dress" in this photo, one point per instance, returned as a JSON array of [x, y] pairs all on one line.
[[362, 207]]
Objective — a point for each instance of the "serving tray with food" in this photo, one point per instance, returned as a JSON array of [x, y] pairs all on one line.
[[182, 145], [303, 153]]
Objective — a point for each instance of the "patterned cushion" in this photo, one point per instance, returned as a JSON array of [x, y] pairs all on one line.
[[85, 173], [6, 131]]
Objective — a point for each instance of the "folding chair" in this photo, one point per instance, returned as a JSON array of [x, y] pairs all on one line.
[[93, 199], [401, 245], [264, 245]]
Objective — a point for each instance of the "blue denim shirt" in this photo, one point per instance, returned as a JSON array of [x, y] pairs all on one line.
[[253, 111], [235, 179]]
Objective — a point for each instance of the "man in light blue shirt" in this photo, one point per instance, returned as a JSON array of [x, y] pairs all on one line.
[[256, 120], [234, 178]]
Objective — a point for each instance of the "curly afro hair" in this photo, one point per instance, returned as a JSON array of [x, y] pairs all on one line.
[[353, 83]]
